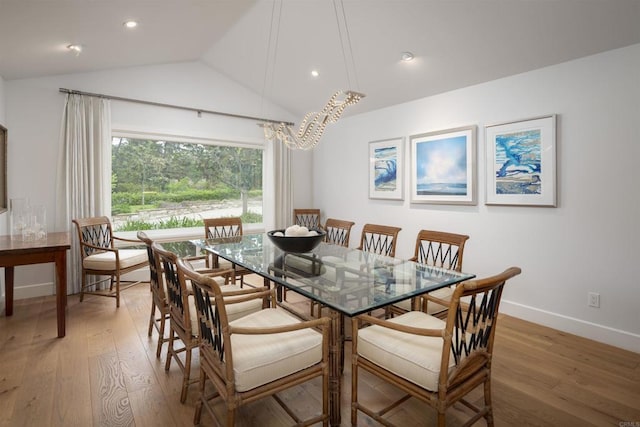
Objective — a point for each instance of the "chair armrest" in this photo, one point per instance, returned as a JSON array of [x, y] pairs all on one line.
[[262, 291], [215, 271], [195, 257], [227, 273], [398, 327], [321, 323], [99, 248], [123, 239]]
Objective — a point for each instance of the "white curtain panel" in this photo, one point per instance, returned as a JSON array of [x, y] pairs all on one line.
[[283, 189], [84, 170]]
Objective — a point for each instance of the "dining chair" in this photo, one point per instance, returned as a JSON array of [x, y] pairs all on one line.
[[309, 218], [182, 316], [258, 355], [379, 239], [215, 228], [159, 303], [438, 249], [338, 231], [182, 324], [436, 361], [100, 257]]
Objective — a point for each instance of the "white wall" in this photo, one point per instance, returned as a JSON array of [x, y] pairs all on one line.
[[3, 121], [2, 108], [3, 216], [589, 243], [34, 112]]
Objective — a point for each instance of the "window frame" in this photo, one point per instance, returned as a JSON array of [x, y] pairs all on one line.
[[174, 234]]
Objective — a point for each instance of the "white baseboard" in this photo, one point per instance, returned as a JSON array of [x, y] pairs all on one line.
[[35, 290], [615, 337], [48, 288]]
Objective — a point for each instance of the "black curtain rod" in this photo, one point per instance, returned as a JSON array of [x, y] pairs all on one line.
[[179, 107]]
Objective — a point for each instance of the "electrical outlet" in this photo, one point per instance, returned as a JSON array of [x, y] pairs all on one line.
[[594, 299]]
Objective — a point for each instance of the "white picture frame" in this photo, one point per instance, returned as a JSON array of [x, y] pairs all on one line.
[[443, 166], [521, 162], [386, 169]]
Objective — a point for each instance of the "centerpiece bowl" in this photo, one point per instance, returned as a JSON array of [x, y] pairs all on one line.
[[296, 244]]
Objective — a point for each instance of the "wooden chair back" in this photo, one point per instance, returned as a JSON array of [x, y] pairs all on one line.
[[213, 321], [159, 298], [94, 233], [155, 270], [379, 239], [470, 330], [440, 249], [177, 293], [215, 228], [338, 231], [309, 218]]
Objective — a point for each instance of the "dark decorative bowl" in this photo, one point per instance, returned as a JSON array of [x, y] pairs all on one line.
[[296, 244]]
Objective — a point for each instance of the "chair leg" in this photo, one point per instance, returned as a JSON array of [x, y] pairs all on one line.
[[442, 420], [84, 284], [487, 402], [200, 402], [185, 377], [117, 290], [354, 394], [161, 340], [152, 318], [231, 417], [170, 351]]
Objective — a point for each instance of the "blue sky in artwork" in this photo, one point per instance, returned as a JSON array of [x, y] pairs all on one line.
[[442, 161]]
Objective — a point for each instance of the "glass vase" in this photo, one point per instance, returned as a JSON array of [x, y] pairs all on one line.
[[18, 215], [36, 224]]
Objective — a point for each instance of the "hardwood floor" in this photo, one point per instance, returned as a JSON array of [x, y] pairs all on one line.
[[105, 373]]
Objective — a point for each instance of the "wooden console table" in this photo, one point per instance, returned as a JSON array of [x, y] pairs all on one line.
[[52, 249]]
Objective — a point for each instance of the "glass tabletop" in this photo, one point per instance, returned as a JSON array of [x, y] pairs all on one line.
[[348, 280]]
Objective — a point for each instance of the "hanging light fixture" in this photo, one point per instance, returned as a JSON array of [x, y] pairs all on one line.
[[313, 124]]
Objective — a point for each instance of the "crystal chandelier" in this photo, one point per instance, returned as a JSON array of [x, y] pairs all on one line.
[[313, 124]]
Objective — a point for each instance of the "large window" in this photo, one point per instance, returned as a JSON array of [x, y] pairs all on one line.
[[170, 184]]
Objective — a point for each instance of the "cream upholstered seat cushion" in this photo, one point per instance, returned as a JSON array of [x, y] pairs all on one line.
[[432, 307], [414, 358], [107, 260], [234, 311], [443, 294], [240, 309], [260, 359]]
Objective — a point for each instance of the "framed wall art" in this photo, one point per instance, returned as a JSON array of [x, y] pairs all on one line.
[[386, 169], [443, 166], [521, 162]]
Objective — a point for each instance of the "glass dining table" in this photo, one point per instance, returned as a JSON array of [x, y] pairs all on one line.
[[347, 281]]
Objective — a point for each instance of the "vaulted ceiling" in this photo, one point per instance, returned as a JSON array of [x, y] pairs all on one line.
[[272, 46]]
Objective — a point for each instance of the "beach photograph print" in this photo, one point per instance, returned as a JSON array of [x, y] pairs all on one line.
[[385, 170], [521, 162], [443, 167]]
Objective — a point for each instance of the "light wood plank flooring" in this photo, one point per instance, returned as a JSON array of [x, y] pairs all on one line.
[[105, 373]]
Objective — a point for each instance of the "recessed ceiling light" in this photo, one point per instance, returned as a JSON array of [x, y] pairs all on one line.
[[314, 73], [407, 56], [77, 48], [130, 23]]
